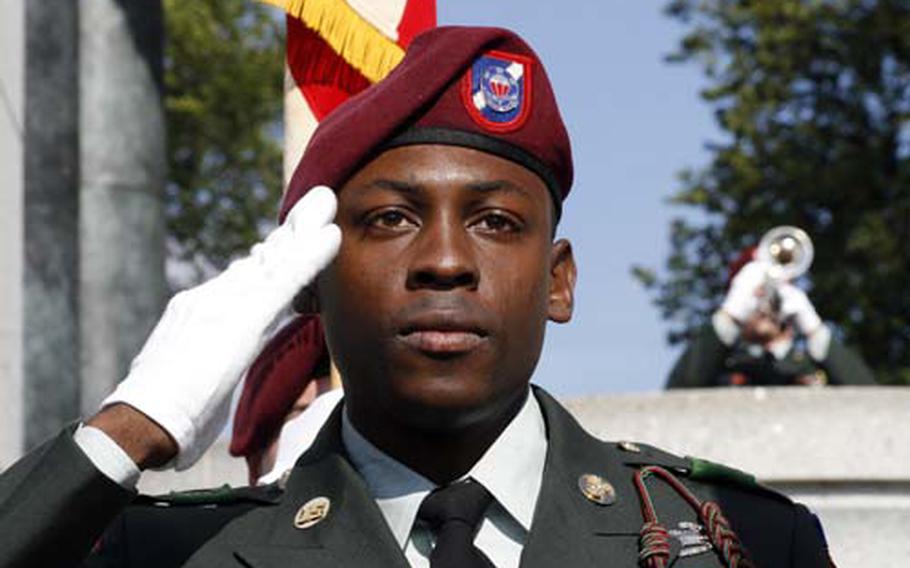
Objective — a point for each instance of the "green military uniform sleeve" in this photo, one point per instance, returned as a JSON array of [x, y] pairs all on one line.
[[810, 547], [54, 504], [844, 366], [701, 363]]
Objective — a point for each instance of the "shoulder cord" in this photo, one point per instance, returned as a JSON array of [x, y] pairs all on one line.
[[654, 542]]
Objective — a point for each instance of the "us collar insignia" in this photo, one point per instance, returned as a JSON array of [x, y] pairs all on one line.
[[312, 512], [692, 539], [496, 90]]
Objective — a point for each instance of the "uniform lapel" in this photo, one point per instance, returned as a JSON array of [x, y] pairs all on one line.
[[569, 529], [353, 533]]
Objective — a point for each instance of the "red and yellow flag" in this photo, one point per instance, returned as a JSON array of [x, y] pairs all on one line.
[[337, 48]]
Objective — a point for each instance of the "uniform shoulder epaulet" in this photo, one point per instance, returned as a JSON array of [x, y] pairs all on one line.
[[706, 471], [638, 454], [223, 495], [693, 468], [713, 472]]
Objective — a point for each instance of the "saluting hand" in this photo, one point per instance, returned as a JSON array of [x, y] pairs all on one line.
[[208, 336]]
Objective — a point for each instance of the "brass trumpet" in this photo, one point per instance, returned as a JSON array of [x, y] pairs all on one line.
[[788, 253]]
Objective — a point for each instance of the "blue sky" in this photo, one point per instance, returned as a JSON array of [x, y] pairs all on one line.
[[635, 122]]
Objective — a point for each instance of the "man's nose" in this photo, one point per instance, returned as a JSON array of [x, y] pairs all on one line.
[[444, 259]]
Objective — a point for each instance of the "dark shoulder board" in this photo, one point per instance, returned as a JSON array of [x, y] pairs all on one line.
[[712, 473], [695, 469], [638, 454], [706, 471], [223, 495]]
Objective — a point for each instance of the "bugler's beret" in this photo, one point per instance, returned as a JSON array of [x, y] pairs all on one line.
[[481, 88]]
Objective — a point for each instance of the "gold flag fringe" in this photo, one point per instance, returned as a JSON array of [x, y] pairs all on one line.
[[352, 37]]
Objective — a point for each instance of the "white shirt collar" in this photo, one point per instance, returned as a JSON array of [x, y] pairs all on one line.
[[511, 470], [397, 489]]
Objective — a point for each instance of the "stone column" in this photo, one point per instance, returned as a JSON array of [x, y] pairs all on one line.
[[123, 172], [12, 77], [51, 217]]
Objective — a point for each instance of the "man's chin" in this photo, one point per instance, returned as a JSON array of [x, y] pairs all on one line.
[[443, 406]]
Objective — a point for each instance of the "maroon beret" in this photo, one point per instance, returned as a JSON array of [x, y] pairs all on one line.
[[287, 363], [481, 88]]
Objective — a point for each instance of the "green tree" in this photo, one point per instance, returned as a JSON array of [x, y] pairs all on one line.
[[223, 101], [813, 100]]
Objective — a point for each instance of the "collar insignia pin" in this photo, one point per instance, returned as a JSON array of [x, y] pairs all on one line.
[[692, 537], [596, 489], [312, 512]]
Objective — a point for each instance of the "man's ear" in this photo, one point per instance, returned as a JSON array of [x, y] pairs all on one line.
[[563, 274]]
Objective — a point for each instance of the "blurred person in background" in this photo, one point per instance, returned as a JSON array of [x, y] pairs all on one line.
[[754, 339]]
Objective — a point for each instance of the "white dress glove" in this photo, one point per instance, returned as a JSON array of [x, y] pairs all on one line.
[[743, 299], [796, 306], [185, 374]]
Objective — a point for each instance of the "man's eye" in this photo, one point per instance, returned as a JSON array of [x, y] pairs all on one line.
[[390, 219], [497, 223]]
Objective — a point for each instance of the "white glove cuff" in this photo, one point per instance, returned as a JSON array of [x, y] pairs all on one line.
[[725, 327], [819, 343], [809, 321]]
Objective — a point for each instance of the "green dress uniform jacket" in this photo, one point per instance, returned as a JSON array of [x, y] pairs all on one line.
[[708, 362], [54, 506]]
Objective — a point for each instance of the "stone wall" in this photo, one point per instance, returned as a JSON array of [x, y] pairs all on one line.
[[12, 88], [843, 452]]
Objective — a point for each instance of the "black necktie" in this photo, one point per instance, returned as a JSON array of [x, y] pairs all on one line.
[[454, 513]]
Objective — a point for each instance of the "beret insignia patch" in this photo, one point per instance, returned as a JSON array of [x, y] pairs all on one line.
[[496, 90]]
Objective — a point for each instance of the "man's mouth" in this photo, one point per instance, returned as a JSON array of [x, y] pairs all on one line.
[[442, 342], [442, 336]]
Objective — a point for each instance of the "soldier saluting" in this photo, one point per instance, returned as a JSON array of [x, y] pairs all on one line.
[[435, 267]]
